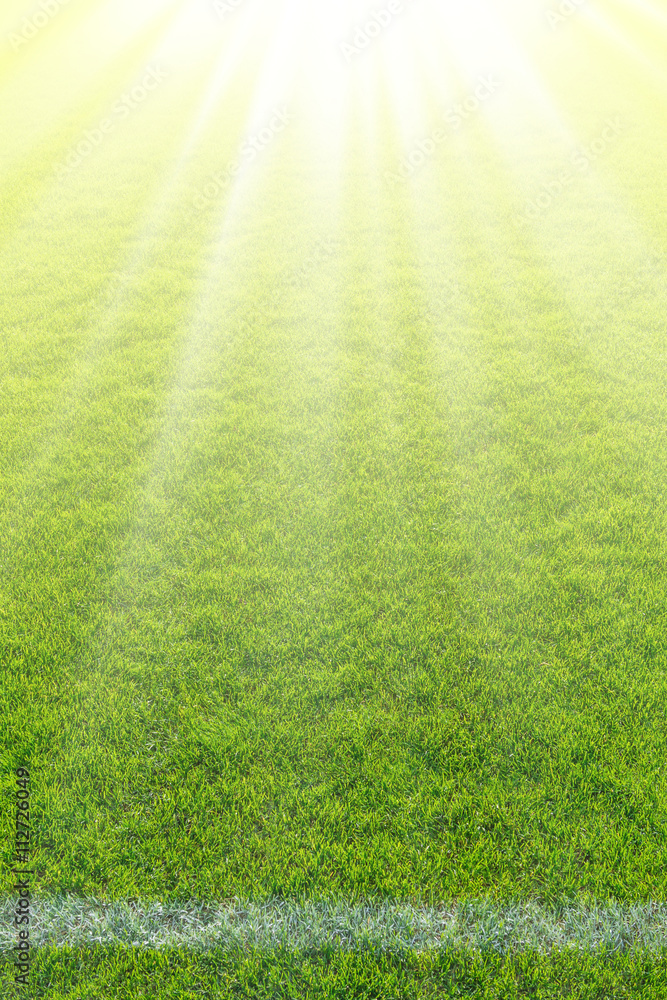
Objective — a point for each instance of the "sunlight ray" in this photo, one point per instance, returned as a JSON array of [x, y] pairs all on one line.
[[607, 28]]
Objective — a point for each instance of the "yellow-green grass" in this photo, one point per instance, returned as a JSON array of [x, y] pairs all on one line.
[[126, 973], [333, 513]]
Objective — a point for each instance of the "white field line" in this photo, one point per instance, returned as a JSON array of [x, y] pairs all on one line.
[[473, 925]]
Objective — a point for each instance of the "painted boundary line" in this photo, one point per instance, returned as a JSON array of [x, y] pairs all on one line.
[[472, 925]]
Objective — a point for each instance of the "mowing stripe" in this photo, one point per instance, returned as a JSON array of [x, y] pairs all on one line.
[[473, 925]]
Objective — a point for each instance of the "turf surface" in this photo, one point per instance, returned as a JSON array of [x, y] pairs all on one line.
[[333, 501]]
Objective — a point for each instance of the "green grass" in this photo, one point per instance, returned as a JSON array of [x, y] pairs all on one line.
[[332, 518], [128, 973]]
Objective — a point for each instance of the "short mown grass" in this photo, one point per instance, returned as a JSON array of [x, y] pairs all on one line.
[[335, 573], [61, 974]]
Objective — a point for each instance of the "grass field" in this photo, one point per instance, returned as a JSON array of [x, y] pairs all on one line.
[[333, 464]]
